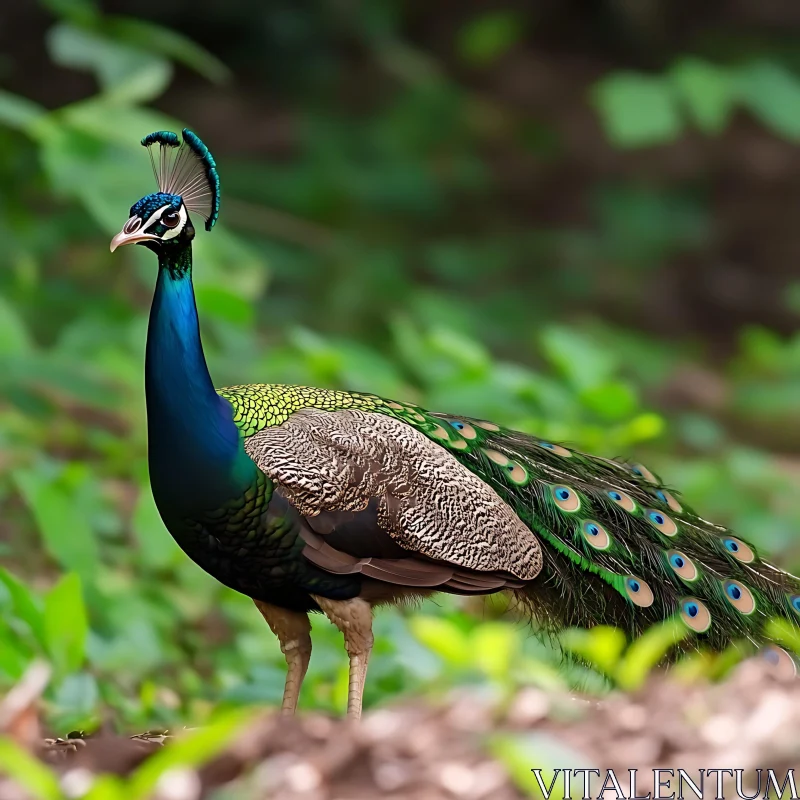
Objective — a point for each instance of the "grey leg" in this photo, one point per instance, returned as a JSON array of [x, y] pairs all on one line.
[[354, 619], [294, 633]]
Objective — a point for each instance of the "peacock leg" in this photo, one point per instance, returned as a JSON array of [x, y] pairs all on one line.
[[294, 633], [354, 619]]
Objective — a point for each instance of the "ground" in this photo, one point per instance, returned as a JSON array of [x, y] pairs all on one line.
[[470, 745]]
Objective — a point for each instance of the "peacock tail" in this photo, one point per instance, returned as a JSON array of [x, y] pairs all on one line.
[[619, 547]]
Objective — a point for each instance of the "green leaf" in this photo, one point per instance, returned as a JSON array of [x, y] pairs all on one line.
[[792, 297], [444, 638], [191, 750], [577, 357], [708, 92], [126, 74], [647, 651], [19, 113], [470, 355], [601, 646], [230, 262], [168, 43], [65, 623], [14, 339], [110, 123], [612, 400], [76, 698], [643, 427], [494, 646], [222, 303], [107, 787], [772, 94], [25, 604], [487, 37], [521, 754], [14, 656], [146, 82], [82, 12], [74, 155], [65, 531], [157, 547], [22, 767], [637, 110]]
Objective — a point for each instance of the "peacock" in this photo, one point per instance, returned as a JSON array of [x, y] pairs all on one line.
[[315, 500]]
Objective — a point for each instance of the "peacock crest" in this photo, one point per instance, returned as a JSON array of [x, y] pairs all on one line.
[[186, 171]]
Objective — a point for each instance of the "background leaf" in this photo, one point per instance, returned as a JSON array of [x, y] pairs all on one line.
[[708, 91], [126, 74], [488, 36], [65, 623], [637, 110], [772, 93], [65, 532]]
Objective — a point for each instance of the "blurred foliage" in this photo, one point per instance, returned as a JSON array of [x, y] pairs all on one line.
[[376, 256]]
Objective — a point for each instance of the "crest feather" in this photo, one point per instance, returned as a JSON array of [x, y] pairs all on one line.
[[186, 169]]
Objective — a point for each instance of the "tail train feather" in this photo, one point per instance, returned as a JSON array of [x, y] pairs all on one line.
[[622, 549]]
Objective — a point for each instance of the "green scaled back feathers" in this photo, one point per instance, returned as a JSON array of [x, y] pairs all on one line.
[[620, 548]]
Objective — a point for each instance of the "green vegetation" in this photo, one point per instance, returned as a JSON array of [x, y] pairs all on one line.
[[384, 251]]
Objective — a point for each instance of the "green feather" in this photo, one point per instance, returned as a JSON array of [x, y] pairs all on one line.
[[640, 523]]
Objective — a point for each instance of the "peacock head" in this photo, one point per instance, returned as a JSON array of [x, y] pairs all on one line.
[[187, 182]]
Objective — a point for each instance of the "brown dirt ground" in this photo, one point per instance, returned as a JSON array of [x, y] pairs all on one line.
[[447, 751]]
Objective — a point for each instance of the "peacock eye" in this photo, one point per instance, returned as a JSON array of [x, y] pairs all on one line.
[[170, 219], [738, 549], [638, 591], [662, 522]]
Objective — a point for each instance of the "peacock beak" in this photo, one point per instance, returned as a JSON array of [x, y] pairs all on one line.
[[130, 234]]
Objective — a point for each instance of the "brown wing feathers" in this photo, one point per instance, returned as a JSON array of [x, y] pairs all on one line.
[[383, 500]]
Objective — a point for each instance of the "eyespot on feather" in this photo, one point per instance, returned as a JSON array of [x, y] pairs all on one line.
[[464, 428], [458, 444], [661, 522], [642, 471], [438, 432], [624, 501], [665, 497], [638, 591], [557, 449], [682, 565], [794, 602], [739, 596], [494, 455], [487, 426], [595, 534], [780, 661], [517, 473], [738, 549], [565, 498], [695, 614]]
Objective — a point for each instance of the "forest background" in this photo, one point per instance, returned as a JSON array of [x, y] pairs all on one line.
[[576, 218]]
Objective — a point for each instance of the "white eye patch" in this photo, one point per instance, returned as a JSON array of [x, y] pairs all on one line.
[[155, 218]]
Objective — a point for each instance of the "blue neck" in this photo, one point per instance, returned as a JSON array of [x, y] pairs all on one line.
[[196, 456]]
